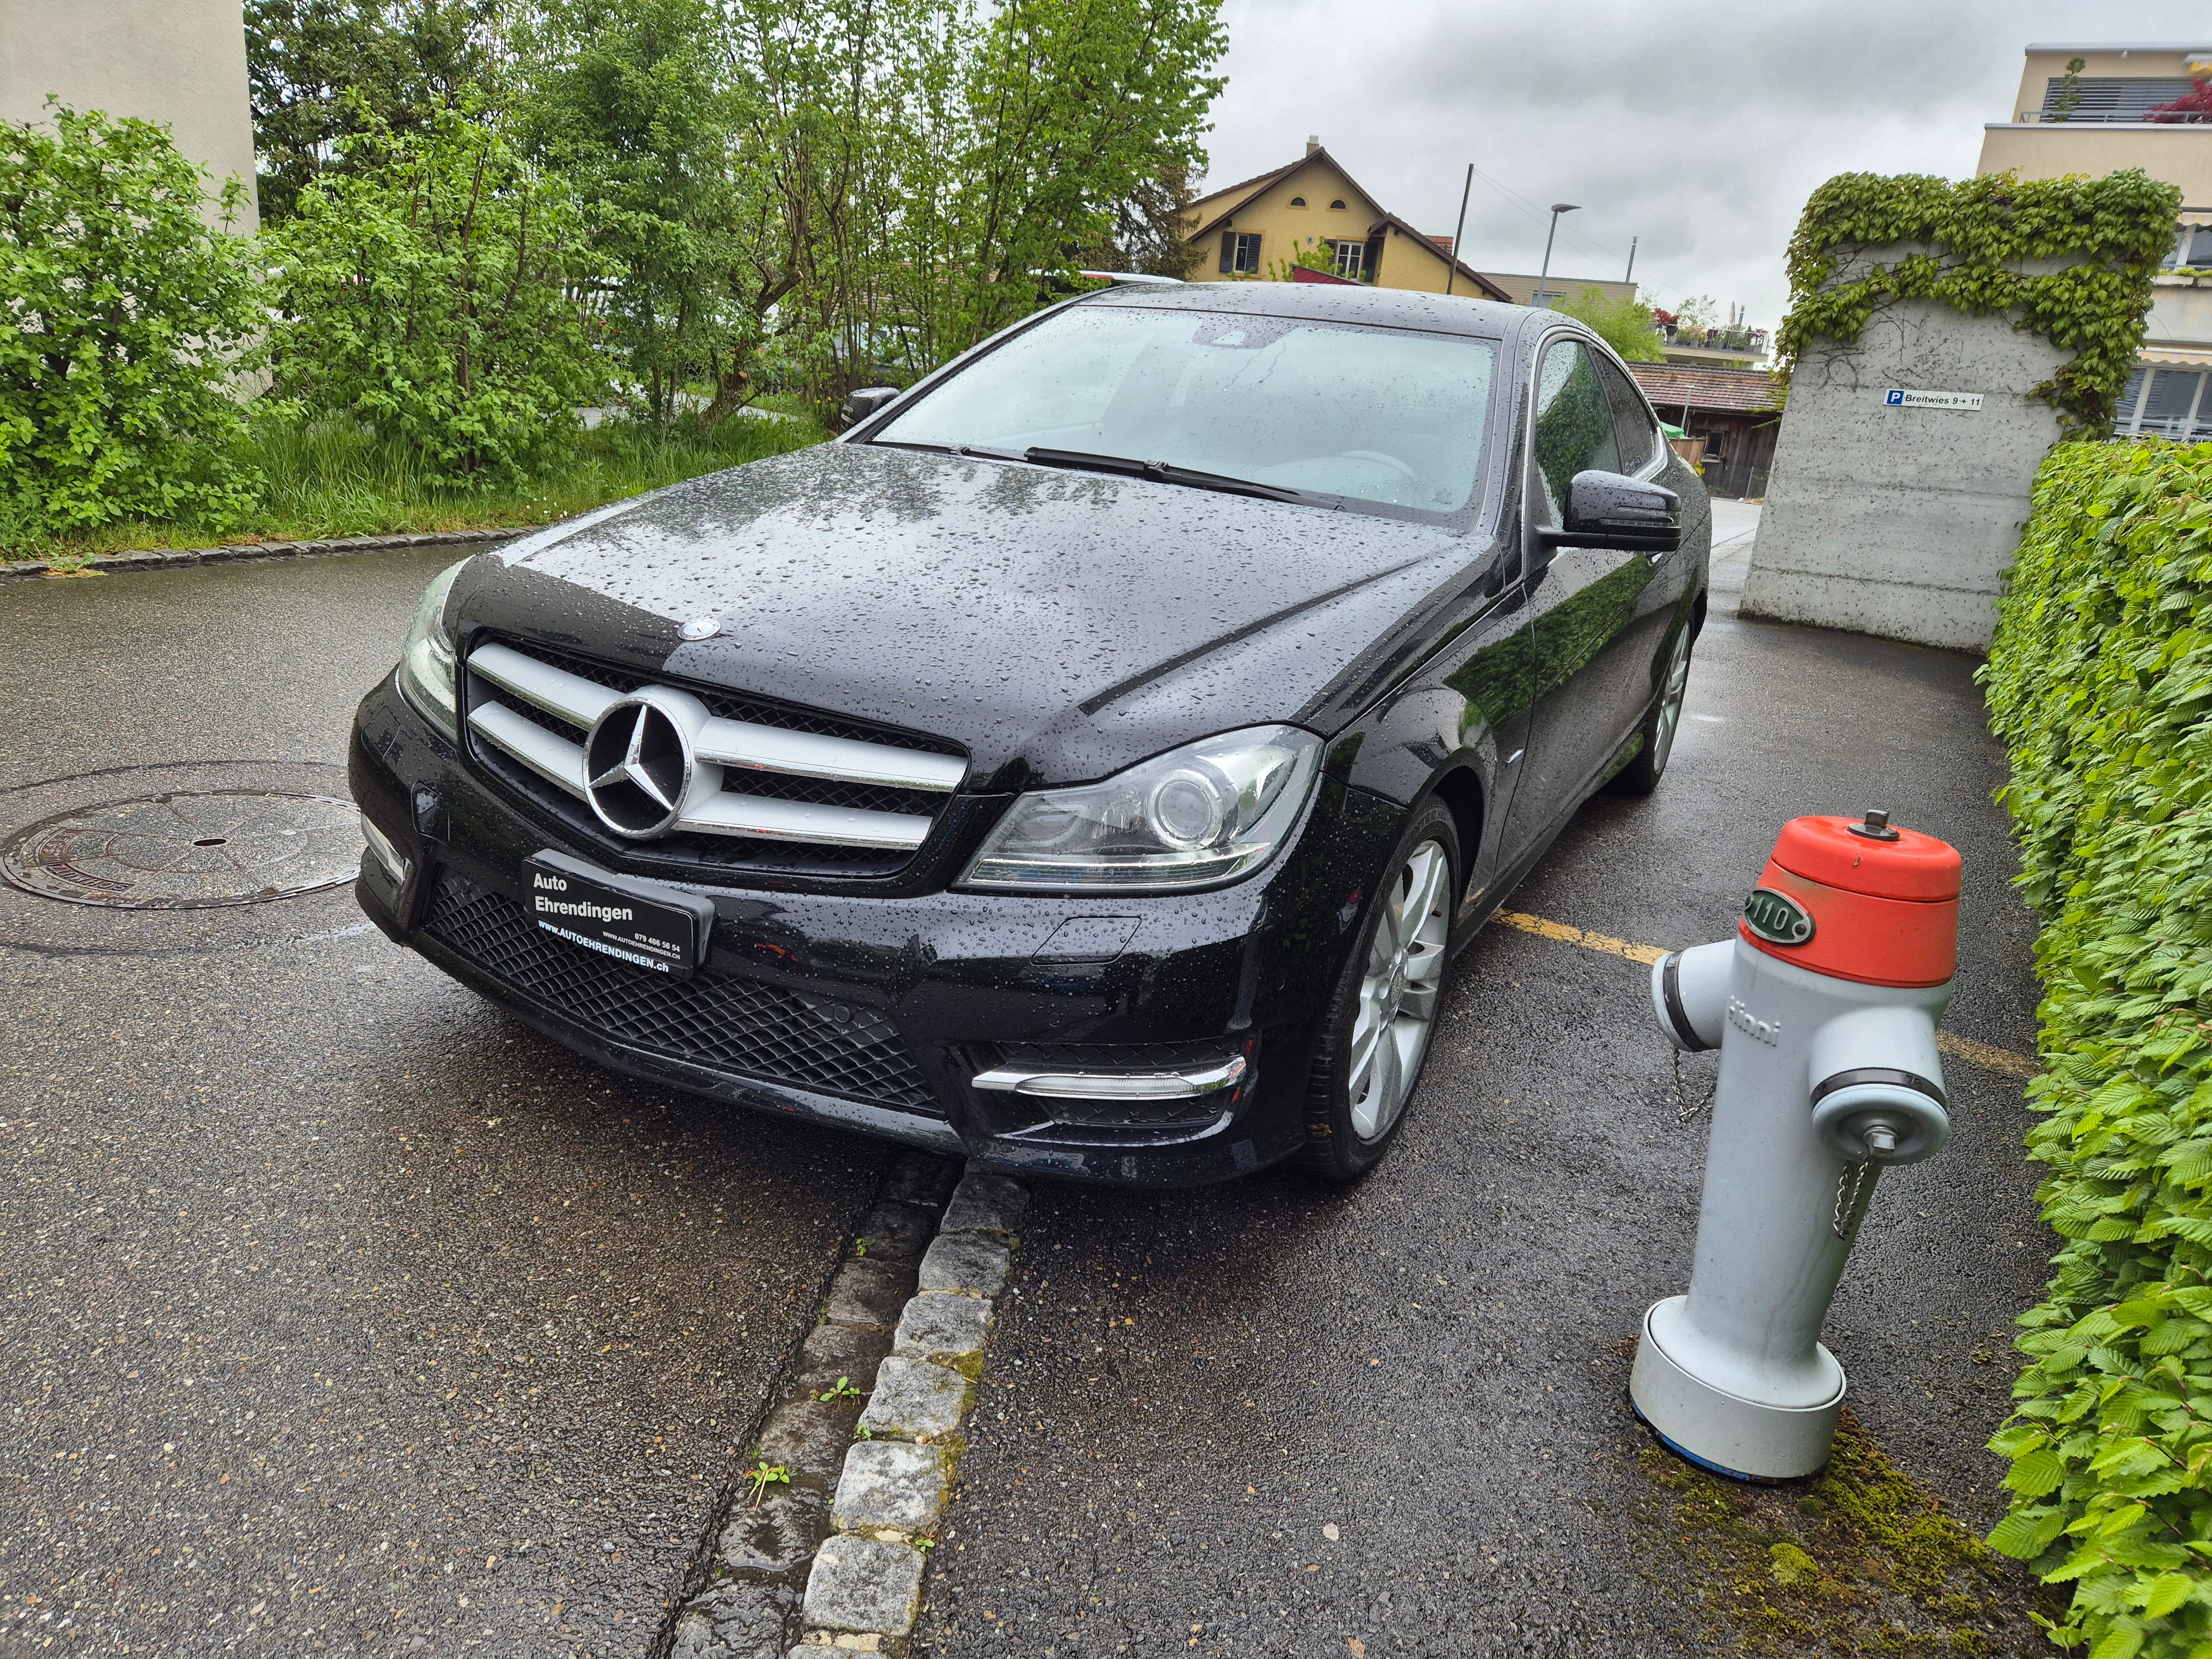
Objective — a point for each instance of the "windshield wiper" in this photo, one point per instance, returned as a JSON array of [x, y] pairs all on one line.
[[1163, 471], [949, 449]]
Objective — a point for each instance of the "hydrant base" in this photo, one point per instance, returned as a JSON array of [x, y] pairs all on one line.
[[1724, 1432]]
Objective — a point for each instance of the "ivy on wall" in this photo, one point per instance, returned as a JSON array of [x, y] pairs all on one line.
[[1966, 244]]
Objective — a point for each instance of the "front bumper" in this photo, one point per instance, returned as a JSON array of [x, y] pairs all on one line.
[[878, 1012]]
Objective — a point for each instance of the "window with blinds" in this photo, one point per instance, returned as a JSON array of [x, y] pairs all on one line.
[[2112, 97], [2166, 403]]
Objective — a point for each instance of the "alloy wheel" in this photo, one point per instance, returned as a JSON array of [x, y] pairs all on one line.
[[1670, 707], [1399, 991]]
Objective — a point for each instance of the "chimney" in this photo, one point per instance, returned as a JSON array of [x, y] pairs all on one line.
[[1313, 142], [1444, 242]]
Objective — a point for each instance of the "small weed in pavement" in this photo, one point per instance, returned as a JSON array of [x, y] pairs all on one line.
[[764, 1474], [843, 1390], [1857, 1560]]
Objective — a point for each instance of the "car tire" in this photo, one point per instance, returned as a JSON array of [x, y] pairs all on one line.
[[1648, 765], [1382, 1017]]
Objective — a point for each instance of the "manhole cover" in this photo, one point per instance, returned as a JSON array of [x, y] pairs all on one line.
[[189, 850]]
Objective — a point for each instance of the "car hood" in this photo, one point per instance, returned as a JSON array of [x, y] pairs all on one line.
[[1059, 625]]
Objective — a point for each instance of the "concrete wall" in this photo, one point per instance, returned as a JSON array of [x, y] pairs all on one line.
[[1899, 521], [2179, 154], [179, 62]]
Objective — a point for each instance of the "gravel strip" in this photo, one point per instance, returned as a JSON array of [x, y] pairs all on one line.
[[175, 558], [833, 1552]]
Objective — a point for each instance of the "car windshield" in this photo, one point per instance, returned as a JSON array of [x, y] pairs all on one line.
[[1383, 415]]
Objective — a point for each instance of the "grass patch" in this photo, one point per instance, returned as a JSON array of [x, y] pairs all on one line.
[[1857, 1560], [325, 481]]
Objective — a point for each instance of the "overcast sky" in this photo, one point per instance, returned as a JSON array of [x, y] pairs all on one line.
[[1700, 130]]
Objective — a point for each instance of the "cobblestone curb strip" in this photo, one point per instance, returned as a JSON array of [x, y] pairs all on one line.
[[177, 557], [835, 1555]]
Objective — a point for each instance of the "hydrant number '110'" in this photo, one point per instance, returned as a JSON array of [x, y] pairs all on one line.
[[1824, 1007]]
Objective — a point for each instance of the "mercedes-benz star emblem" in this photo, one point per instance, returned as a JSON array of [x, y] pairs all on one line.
[[699, 628], [637, 769]]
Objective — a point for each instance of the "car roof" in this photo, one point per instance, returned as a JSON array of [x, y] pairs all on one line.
[[1387, 307]]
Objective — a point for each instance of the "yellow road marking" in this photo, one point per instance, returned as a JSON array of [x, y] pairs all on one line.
[[1981, 1054], [1559, 930], [1977, 1054]]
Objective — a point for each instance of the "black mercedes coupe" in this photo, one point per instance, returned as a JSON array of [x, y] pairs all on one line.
[[1092, 762]]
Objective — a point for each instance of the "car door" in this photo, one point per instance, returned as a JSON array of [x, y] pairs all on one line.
[[1641, 650], [1585, 602]]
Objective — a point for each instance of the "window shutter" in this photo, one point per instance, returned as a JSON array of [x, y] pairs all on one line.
[[1372, 269], [1228, 250]]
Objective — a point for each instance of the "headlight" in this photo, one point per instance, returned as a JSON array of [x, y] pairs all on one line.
[[1195, 816], [425, 662]]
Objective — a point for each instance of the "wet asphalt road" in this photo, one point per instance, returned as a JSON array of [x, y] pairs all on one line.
[[338, 1313], [1274, 1418]]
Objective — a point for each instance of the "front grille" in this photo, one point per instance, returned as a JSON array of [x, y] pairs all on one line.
[[789, 814], [740, 1026]]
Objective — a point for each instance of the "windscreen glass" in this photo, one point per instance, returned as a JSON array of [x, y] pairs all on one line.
[[1388, 416]]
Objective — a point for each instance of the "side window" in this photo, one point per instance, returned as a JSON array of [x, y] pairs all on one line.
[[1240, 252], [1573, 431], [1633, 431]]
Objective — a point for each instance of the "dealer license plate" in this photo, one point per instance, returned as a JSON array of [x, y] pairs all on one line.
[[640, 922]]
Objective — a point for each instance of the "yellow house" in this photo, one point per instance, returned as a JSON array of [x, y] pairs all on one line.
[[1255, 229]]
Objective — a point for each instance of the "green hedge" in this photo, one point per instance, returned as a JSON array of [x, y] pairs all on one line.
[[2101, 685]]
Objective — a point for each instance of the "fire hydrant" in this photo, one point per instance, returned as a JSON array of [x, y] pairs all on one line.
[[1824, 1007]]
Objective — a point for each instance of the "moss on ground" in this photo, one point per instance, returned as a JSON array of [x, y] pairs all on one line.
[[1857, 1560]]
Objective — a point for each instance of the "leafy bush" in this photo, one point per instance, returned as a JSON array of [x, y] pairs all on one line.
[[1974, 247], [1627, 325], [2101, 685], [426, 293], [128, 314]]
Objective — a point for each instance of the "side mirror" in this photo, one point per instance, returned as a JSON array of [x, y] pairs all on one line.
[[1605, 509], [866, 402]]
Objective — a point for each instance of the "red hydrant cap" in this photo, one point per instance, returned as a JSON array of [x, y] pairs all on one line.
[[1833, 853], [1858, 899]]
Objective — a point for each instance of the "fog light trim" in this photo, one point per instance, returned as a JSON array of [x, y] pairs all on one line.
[[1182, 1084]]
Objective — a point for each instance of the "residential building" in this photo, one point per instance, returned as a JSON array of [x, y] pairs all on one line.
[[2093, 107], [1735, 412], [1738, 346], [1256, 226], [1522, 286], [180, 63]]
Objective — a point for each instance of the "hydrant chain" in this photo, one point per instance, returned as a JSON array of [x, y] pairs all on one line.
[[1854, 1190]]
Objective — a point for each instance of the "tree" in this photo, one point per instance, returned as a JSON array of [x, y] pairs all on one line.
[[128, 318], [1150, 232], [1627, 325], [430, 290], [631, 102], [2067, 97], [322, 71]]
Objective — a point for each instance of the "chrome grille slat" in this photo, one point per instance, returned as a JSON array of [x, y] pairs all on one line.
[[554, 759], [732, 812], [575, 699], [731, 748], [805, 754]]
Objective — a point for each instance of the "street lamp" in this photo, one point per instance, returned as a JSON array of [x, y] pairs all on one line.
[[1557, 207]]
